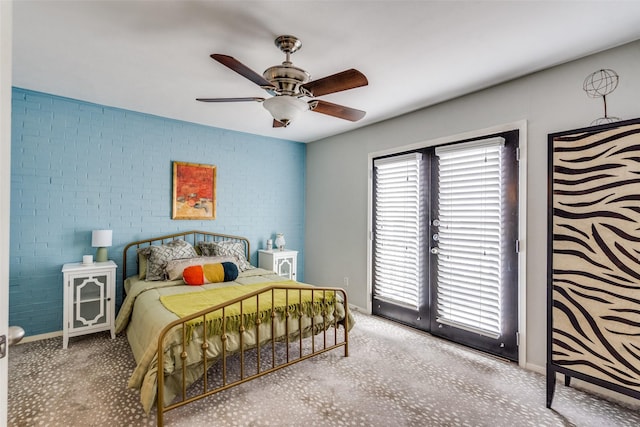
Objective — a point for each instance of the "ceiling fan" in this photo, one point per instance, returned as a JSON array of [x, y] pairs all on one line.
[[288, 84]]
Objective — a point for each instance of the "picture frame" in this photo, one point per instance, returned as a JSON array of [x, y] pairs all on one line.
[[194, 191]]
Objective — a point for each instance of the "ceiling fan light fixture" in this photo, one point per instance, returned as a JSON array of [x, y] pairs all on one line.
[[285, 109]]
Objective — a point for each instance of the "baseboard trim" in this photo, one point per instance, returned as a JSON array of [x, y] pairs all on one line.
[[535, 368], [359, 309], [40, 337]]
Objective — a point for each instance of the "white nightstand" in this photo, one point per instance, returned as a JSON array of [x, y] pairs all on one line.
[[284, 263], [89, 299]]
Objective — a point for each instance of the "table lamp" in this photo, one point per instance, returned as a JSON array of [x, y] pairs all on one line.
[[101, 239]]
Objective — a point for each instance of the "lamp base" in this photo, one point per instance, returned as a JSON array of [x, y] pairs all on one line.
[[101, 255]]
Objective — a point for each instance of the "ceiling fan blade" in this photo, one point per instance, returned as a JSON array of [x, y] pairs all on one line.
[[251, 98], [243, 70], [348, 79], [335, 110]]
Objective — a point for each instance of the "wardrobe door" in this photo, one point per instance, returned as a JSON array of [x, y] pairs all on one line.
[[594, 257]]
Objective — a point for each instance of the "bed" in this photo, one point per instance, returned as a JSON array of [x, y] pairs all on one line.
[[222, 332]]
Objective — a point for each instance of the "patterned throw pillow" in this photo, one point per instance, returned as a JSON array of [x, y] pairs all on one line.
[[210, 273], [159, 256], [226, 248], [176, 266], [207, 248]]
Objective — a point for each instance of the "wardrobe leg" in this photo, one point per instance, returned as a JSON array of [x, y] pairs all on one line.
[[551, 385]]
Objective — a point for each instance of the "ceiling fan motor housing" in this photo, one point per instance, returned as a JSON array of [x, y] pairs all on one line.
[[286, 78]]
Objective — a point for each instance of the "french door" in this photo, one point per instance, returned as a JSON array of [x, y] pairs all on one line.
[[445, 241]]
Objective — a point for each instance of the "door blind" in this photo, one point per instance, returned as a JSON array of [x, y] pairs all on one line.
[[397, 239], [469, 263]]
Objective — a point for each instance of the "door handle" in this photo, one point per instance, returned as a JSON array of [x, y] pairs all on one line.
[[16, 333]]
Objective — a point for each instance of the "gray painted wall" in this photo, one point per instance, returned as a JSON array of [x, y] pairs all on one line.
[[550, 101]]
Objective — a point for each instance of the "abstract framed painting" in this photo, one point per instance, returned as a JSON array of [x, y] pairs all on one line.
[[194, 191]]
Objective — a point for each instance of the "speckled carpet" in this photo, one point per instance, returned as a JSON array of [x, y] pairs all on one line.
[[394, 376]]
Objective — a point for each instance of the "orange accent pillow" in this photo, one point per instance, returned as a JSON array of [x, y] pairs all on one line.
[[193, 275]]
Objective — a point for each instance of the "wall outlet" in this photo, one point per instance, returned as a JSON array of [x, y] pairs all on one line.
[[345, 281]]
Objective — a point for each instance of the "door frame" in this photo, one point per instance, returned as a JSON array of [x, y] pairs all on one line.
[[6, 16], [521, 126]]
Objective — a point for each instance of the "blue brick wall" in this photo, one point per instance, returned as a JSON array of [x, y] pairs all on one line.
[[76, 167]]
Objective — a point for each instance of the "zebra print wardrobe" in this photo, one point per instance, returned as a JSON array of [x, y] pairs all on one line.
[[594, 257]]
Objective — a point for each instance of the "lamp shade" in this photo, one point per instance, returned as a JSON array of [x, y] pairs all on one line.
[[101, 238], [284, 108]]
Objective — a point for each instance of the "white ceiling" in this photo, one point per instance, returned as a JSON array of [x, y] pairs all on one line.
[[153, 56]]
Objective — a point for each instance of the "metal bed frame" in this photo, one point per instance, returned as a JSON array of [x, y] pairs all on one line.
[[328, 341]]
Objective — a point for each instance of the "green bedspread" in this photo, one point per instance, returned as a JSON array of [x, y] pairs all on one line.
[[282, 301]]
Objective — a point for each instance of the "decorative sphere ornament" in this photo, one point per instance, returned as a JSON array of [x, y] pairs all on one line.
[[598, 85]]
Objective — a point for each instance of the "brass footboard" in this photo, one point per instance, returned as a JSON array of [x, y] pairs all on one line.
[[321, 324]]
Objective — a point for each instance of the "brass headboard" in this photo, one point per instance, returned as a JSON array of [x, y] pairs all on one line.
[[190, 236]]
